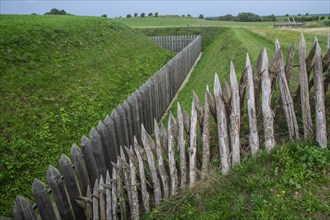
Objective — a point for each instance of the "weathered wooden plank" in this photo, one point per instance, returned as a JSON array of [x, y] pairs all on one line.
[[211, 103], [98, 151], [164, 137], [41, 196], [253, 136], [127, 181], [289, 63], [96, 201], [145, 194], [108, 122], [57, 186], [182, 149], [23, 209], [90, 162], [171, 157], [80, 168], [129, 122], [134, 192], [304, 91], [226, 96], [114, 194], [124, 126], [310, 60], [321, 130], [206, 136], [71, 185], [108, 189], [147, 142], [101, 194], [186, 121], [118, 130], [286, 98], [161, 164], [102, 130], [135, 116], [223, 139], [193, 143], [268, 117], [234, 117], [242, 91], [257, 82], [89, 205]]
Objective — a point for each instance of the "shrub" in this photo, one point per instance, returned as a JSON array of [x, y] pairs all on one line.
[[143, 15], [104, 16], [128, 16]]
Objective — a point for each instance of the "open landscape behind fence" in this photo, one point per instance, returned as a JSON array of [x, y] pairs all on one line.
[[148, 172]]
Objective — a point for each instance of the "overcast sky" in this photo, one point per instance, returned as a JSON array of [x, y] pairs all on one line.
[[207, 8]]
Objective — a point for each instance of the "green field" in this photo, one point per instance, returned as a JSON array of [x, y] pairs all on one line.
[[60, 75]]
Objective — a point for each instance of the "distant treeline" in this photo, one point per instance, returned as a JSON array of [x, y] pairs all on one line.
[[251, 17], [244, 17]]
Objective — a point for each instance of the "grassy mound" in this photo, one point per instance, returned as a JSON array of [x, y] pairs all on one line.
[[290, 183], [59, 76]]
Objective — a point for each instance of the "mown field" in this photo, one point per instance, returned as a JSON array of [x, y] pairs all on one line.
[[60, 75]]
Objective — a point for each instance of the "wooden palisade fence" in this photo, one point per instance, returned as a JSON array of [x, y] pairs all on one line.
[[174, 43], [148, 172]]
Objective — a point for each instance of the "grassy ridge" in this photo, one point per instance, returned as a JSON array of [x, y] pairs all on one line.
[[59, 76], [290, 183]]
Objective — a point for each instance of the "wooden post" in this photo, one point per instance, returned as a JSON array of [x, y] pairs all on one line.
[[206, 136], [161, 164], [102, 200], [80, 168], [108, 122], [135, 197], [193, 142], [234, 117], [123, 122], [304, 91], [56, 184], [253, 137], [89, 208], [90, 162], [129, 122], [171, 155], [289, 63], [114, 194], [242, 91], [145, 194], [182, 149], [125, 170], [95, 201], [23, 209], [97, 151], [118, 130], [147, 142], [223, 139], [268, 116], [71, 185], [40, 194], [108, 189], [287, 101], [164, 138], [102, 130], [321, 130]]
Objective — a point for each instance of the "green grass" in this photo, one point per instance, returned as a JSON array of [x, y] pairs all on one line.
[[290, 183], [60, 75]]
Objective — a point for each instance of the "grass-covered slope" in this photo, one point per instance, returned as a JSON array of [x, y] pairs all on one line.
[[60, 75], [290, 183]]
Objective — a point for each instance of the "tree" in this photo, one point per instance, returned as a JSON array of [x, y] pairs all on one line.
[[104, 16], [135, 15], [271, 17], [128, 16], [286, 15], [248, 17], [201, 16], [150, 14], [156, 14], [307, 14], [299, 14], [322, 18], [188, 15], [55, 11], [143, 15], [227, 17]]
